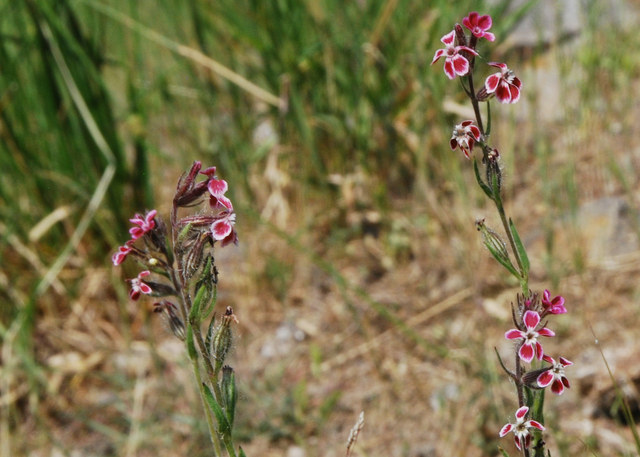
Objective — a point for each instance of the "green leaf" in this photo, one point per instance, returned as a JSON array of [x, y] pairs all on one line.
[[503, 452], [481, 183], [223, 424], [191, 346], [522, 252], [487, 131], [230, 394], [194, 314], [242, 454]]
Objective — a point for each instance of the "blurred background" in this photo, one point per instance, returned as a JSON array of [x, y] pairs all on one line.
[[360, 282]]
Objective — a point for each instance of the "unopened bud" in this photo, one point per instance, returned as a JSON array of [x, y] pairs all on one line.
[[494, 173], [169, 311], [483, 95], [530, 378], [223, 338], [495, 245], [461, 38], [229, 393]]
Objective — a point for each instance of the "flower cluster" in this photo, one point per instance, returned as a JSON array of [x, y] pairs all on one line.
[[459, 57], [527, 316], [149, 243], [179, 254]]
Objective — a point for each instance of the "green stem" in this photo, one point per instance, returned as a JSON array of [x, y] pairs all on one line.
[[212, 428], [228, 443]]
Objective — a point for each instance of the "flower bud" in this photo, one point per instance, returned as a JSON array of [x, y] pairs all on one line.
[[496, 246], [229, 393], [169, 312], [530, 378], [223, 338], [494, 173], [461, 38]]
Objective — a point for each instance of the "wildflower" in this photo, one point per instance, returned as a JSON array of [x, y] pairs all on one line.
[[464, 137], [144, 224], [530, 346], [521, 428], [455, 63], [122, 253], [553, 305], [217, 189], [138, 286], [479, 25], [222, 229], [504, 84], [555, 375]]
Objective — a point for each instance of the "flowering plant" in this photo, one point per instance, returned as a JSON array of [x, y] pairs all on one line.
[[178, 262], [531, 307]]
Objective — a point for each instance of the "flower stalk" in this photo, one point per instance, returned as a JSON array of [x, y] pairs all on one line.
[[181, 257], [461, 55]]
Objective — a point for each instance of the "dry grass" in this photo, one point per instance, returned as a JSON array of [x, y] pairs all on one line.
[[315, 345]]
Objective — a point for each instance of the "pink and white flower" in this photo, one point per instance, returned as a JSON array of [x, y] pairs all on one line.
[[122, 253], [217, 189], [144, 224], [455, 64], [553, 305], [521, 428], [479, 25], [554, 376], [464, 137], [504, 84], [222, 229], [138, 286], [530, 346]]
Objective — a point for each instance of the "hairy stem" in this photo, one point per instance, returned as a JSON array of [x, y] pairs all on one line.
[[215, 439]]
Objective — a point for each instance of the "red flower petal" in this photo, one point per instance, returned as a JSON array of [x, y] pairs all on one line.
[[489, 36], [448, 38], [484, 22], [545, 379], [503, 93], [531, 319], [448, 69], [439, 53], [557, 387], [546, 332], [506, 429], [217, 187], [515, 94], [460, 65], [221, 229], [535, 424], [491, 83], [513, 334], [526, 352]]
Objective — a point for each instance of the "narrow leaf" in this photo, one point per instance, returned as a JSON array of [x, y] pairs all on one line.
[[522, 252], [242, 454], [191, 347], [481, 183], [223, 424], [487, 131]]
